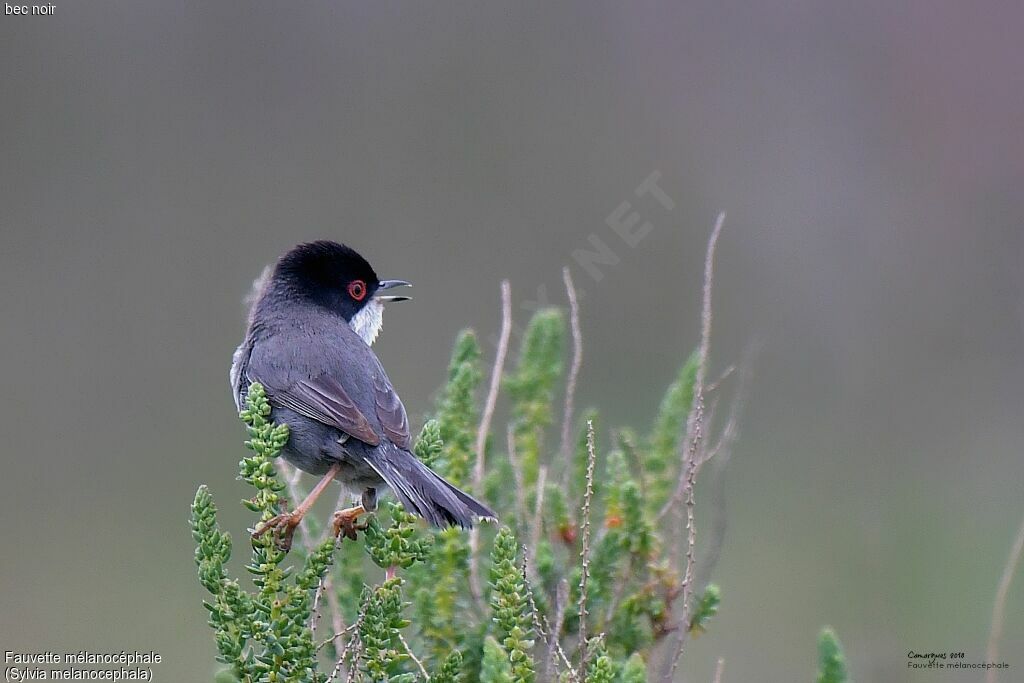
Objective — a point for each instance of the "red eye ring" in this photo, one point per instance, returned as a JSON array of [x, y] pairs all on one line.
[[357, 290]]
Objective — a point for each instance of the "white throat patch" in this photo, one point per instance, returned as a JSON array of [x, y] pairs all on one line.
[[368, 321]]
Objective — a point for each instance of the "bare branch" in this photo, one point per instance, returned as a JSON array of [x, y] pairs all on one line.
[[718, 670], [585, 552], [550, 640], [555, 632], [517, 474], [334, 606], [999, 608], [416, 659], [574, 372], [484, 430], [337, 634], [687, 584], [713, 387], [719, 454], [314, 612], [691, 446], [730, 431], [354, 641], [355, 644], [492, 391], [692, 423]]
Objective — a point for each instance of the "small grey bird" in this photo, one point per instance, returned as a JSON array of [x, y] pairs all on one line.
[[312, 320]]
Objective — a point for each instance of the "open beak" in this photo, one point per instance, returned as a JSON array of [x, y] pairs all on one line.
[[388, 284]]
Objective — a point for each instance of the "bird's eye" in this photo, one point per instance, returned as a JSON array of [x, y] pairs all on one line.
[[357, 289]]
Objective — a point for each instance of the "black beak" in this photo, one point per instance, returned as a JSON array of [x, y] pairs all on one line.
[[388, 284]]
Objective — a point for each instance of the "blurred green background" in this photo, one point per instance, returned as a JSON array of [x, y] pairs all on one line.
[[156, 155]]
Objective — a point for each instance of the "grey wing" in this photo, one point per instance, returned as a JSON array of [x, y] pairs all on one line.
[[390, 411], [325, 400]]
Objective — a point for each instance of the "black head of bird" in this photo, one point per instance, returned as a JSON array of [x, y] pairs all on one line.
[[312, 322], [336, 278]]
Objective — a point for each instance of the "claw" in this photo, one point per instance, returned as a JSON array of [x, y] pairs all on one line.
[[344, 522], [282, 526]]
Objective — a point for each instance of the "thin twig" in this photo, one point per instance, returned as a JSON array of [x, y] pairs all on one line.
[[492, 391], [702, 363], [687, 480], [713, 387], [730, 431], [337, 620], [533, 603], [475, 581], [537, 616], [323, 585], [416, 659], [337, 634], [691, 542], [555, 631], [354, 640], [574, 372], [517, 474], [314, 612], [538, 520], [588, 494], [718, 670], [720, 454], [999, 608]]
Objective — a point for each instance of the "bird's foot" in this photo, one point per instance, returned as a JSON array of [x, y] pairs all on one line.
[[344, 522], [282, 527]]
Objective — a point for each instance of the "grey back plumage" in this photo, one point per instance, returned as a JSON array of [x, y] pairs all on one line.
[[319, 367], [315, 365]]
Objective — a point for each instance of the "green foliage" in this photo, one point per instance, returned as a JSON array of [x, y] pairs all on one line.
[[634, 670], [831, 662], [663, 442], [401, 543], [439, 590], [510, 606], [601, 668], [707, 607], [457, 413], [496, 667], [532, 386], [414, 600], [382, 622], [449, 669], [263, 635], [429, 444]]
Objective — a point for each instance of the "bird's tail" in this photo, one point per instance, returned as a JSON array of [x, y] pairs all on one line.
[[425, 493]]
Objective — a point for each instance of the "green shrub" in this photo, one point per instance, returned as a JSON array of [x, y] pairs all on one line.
[[408, 603]]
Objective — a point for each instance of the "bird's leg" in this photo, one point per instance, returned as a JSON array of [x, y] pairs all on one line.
[[344, 521], [283, 525]]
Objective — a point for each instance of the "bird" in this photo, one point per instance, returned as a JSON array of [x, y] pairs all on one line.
[[313, 318]]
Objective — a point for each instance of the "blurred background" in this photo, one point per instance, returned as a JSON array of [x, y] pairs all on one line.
[[870, 158]]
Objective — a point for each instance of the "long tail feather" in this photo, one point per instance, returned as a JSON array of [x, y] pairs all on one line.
[[424, 492]]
